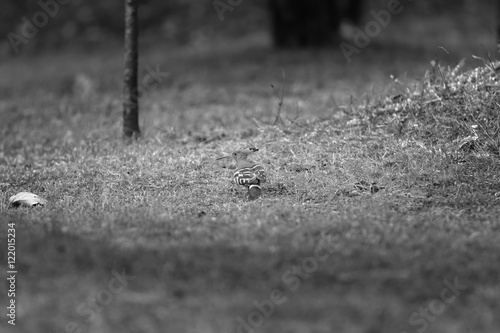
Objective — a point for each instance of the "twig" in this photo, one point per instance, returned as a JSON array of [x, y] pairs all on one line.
[[280, 103]]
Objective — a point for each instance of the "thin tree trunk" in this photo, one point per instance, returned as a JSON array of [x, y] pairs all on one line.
[[498, 25], [130, 90]]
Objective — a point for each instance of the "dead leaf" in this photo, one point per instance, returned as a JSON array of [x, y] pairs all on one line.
[[26, 199]]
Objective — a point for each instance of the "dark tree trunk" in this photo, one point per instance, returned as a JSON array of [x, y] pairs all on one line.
[[130, 89], [309, 23], [498, 25], [354, 11]]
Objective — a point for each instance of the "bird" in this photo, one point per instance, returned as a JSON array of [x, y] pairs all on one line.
[[247, 173]]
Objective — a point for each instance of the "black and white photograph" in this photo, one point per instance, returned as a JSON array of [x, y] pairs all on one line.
[[250, 166]]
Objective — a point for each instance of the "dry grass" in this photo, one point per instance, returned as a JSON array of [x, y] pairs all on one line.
[[403, 190]]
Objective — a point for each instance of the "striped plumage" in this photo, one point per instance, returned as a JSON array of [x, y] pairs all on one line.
[[254, 174], [251, 177], [247, 173]]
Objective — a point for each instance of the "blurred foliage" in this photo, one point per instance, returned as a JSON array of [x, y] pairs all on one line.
[[89, 22], [85, 22]]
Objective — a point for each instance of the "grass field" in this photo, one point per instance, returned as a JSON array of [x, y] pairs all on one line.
[[381, 214]]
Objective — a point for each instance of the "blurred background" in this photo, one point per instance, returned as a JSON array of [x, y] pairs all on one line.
[[292, 23], [226, 60]]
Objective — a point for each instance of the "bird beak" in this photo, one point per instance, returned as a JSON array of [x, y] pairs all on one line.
[[220, 158]]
